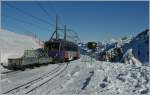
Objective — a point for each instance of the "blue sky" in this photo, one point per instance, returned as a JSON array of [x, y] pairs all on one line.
[[93, 21]]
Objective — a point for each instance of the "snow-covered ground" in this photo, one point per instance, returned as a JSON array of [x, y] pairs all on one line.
[[81, 77], [98, 78]]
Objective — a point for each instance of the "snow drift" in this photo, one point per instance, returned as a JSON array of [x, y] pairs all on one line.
[[13, 44], [102, 78]]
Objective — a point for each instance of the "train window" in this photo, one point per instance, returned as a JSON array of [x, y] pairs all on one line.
[[66, 47], [52, 46], [71, 47], [55, 46], [61, 47]]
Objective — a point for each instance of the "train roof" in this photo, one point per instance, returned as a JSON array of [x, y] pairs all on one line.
[[60, 41]]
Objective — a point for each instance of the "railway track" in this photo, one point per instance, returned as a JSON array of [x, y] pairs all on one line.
[[57, 73], [6, 72], [57, 85], [85, 59], [30, 83]]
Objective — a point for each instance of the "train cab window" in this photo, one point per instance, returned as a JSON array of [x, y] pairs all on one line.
[[55, 46], [52, 45]]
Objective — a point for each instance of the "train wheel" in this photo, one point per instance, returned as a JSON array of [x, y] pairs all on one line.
[[61, 61], [23, 68], [14, 68], [32, 67], [37, 65], [66, 59]]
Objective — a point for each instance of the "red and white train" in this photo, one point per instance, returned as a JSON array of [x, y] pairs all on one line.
[[62, 50]]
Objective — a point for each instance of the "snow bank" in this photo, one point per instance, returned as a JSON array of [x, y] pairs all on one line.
[[104, 78], [120, 79], [13, 44], [128, 58]]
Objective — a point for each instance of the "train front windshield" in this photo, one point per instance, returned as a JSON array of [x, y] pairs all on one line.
[[53, 46]]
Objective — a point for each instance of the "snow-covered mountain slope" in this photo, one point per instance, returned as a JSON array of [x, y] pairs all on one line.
[[13, 44], [140, 46]]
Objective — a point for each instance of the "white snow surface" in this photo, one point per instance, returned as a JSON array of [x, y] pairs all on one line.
[[81, 77], [12, 45]]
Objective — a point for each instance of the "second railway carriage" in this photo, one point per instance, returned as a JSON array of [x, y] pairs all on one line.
[[29, 59], [62, 50]]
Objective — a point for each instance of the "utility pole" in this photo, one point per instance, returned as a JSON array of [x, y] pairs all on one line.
[[65, 30], [56, 30]]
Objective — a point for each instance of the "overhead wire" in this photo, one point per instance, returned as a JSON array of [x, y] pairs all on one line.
[[47, 14], [23, 28], [56, 13], [37, 18], [70, 30], [43, 9], [25, 22], [26, 29], [29, 14]]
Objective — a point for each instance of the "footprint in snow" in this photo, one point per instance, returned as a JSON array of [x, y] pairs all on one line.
[[120, 77]]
